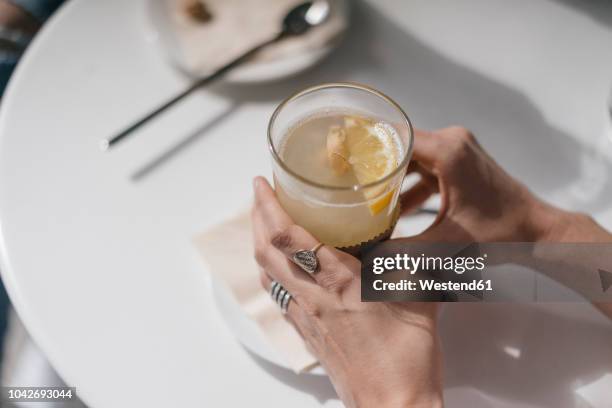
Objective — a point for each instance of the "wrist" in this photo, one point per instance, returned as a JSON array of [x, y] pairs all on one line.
[[546, 222], [553, 224], [400, 400]]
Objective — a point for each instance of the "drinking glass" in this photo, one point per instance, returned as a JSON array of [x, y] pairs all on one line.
[[346, 217]]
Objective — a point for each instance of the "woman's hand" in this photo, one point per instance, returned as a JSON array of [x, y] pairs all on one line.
[[376, 355], [480, 201]]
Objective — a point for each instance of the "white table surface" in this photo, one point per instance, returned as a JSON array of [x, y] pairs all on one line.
[[96, 251]]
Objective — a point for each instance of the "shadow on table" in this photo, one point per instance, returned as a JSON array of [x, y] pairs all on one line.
[[598, 10], [437, 92], [318, 386], [519, 353], [522, 353], [183, 144]]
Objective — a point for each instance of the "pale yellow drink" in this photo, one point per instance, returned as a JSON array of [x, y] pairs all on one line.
[[342, 150], [339, 155]]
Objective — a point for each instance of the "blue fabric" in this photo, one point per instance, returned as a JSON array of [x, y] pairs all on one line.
[[7, 65], [4, 310], [11, 54], [39, 9]]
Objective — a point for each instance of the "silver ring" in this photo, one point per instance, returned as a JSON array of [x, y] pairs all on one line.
[[280, 295], [307, 259], [284, 304], [274, 289]]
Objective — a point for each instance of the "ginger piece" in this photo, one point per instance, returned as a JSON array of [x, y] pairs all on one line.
[[337, 150]]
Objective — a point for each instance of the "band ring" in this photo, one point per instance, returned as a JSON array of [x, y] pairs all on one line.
[[307, 259], [274, 289], [284, 304], [281, 296]]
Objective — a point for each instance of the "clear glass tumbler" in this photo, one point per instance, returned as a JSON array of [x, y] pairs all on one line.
[[347, 217]]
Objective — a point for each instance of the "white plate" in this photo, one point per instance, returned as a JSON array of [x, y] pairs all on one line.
[[246, 330], [250, 335], [249, 72]]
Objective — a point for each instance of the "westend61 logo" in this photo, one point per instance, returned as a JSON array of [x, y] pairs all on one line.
[[433, 275], [420, 272], [425, 263], [403, 271]]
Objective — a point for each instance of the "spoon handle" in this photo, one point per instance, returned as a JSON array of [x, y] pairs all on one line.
[[108, 143]]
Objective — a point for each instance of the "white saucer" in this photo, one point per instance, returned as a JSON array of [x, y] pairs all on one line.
[[161, 25], [246, 330]]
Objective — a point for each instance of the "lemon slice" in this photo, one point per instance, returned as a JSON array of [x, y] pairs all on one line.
[[373, 154]]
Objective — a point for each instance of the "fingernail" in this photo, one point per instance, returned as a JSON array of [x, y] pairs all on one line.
[[255, 183]]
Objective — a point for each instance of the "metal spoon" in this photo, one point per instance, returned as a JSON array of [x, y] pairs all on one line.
[[299, 20]]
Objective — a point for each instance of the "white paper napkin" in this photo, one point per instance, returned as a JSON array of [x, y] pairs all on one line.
[[228, 250]]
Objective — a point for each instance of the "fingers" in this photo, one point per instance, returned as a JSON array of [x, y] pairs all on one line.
[[296, 238], [418, 194], [433, 149], [277, 265], [266, 283], [277, 239], [267, 216], [298, 315], [443, 154], [426, 149], [274, 216]]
